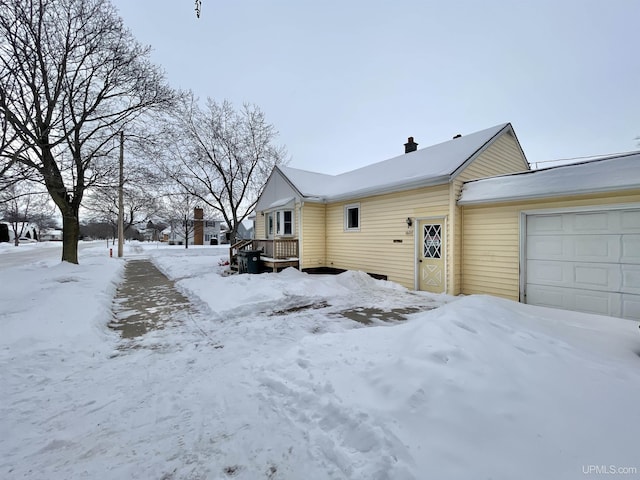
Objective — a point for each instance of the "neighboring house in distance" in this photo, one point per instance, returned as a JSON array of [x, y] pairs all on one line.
[[150, 232], [566, 237], [25, 230], [51, 235], [200, 231], [397, 219]]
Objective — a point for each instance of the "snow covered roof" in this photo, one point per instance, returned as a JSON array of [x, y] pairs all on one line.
[[432, 165], [614, 172]]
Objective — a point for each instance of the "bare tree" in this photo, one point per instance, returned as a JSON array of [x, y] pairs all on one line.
[[222, 156], [71, 78], [179, 207], [140, 203], [11, 172]]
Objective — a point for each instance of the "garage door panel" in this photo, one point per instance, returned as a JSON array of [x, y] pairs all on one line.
[[591, 222], [600, 303], [631, 306], [545, 247], [630, 221], [542, 272], [631, 249], [546, 224], [575, 248], [630, 279], [591, 276], [597, 276], [605, 248]]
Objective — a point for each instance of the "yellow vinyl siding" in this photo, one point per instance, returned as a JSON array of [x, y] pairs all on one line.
[[259, 231], [382, 220], [312, 238], [503, 156], [491, 242]]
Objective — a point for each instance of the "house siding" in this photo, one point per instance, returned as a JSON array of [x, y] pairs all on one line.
[[313, 239], [260, 228], [503, 156], [382, 220], [491, 242]]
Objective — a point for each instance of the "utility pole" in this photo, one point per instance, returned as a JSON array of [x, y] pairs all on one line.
[[121, 198]]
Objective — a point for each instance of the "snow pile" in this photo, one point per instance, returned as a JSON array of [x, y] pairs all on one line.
[[269, 380], [470, 388]]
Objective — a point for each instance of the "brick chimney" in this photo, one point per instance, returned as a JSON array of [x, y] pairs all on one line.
[[198, 227], [410, 146]]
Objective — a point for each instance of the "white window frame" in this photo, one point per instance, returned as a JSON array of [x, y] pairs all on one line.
[[281, 223], [268, 224], [347, 208], [278, 223]]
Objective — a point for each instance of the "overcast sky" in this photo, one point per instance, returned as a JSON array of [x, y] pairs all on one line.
[[347, 81]]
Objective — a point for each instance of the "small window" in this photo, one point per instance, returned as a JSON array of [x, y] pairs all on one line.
[[288, 222], [352, 217], [268, 225], [432, 241], [284, 222]]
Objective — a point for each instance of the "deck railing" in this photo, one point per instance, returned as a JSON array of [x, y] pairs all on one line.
[[280, 248]]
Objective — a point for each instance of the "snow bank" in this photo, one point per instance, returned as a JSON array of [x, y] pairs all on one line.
[[472, 388]]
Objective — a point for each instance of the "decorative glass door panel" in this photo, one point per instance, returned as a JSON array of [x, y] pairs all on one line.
[[431, 264]]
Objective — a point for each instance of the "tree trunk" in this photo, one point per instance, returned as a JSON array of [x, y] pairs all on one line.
[[70, 235]]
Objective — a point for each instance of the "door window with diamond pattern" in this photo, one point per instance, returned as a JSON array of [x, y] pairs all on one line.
[[432, 244]]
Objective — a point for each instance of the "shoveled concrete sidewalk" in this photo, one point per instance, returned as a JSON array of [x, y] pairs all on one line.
[[147, 300]]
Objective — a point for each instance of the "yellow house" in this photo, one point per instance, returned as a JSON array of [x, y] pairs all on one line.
[[565, 237], [397, 219]]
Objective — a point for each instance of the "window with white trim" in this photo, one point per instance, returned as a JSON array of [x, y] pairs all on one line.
[[280, 223], [284, 222], [268, 225], [352, 217]]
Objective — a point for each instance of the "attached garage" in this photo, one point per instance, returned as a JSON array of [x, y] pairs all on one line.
[[587, 261], [566, 237]]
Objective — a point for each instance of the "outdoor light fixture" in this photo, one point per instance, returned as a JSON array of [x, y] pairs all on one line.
[[409, 222]]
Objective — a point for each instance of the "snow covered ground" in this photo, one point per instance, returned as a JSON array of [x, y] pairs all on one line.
[[268, 380]]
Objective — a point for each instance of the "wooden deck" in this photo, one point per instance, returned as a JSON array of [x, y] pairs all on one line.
[[275, 255], [277, 264]]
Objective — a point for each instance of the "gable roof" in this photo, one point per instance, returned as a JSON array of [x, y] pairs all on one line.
[[432, 165], [605, 174]]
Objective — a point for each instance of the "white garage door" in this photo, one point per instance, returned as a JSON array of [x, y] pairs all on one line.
[[585, 261]]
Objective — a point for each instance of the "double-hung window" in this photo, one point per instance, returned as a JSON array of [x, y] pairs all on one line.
[[352, 217], [284, 222], [279, 223]]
